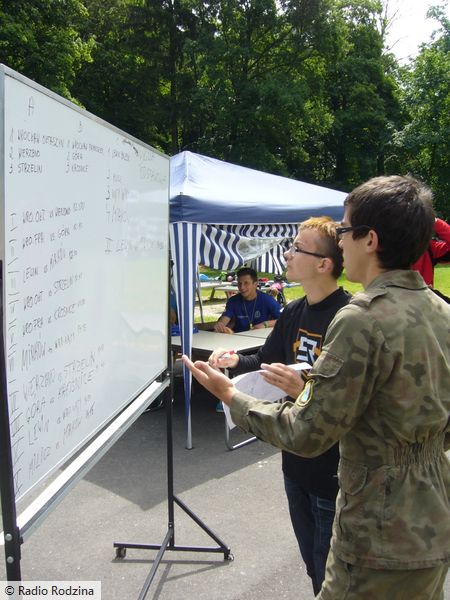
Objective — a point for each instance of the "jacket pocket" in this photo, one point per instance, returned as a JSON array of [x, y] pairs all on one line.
[[359, 507], [352, 477], [349, 506], [416, 505], [327, 364]]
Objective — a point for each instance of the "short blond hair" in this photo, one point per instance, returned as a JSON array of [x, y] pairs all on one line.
[[329, 242]]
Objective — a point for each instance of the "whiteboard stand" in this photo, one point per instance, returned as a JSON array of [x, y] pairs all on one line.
[[169, 539]]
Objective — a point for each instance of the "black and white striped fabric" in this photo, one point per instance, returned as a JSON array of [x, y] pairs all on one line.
[[228, 247]]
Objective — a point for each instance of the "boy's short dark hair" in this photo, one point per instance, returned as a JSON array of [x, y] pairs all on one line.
[[247, 271], [400, 209]]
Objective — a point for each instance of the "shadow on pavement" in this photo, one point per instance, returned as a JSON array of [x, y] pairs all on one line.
[[135, 467]]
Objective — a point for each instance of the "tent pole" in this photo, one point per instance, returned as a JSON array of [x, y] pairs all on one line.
[[199, 295], [189, 432]]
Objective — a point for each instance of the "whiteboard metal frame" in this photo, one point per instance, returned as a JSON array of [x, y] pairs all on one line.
[[2, 163], [34, 514], [11, 537], [103, 436]]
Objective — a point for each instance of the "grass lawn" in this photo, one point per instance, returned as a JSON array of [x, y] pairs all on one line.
[[442, 278], [441, 282]]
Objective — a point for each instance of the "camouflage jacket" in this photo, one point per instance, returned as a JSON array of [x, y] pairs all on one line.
[[382, 387]]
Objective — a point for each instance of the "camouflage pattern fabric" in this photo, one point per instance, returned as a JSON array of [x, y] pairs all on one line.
[[344, 581], [382, 387]]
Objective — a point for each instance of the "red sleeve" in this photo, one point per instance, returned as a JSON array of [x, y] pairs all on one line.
[[442, 230], [442, 245]]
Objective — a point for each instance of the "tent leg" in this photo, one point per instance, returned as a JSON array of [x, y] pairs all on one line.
[[199, 296], [189, 432]]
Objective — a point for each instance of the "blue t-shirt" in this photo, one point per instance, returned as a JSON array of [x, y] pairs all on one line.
[[246, 312], [173, 300]]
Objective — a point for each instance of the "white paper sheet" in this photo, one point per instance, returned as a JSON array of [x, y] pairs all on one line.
[[254, 384]]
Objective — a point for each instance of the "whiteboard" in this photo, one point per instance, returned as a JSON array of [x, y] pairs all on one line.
[[84, 211]]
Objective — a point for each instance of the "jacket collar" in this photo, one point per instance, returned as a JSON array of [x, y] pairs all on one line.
[[403, 278]]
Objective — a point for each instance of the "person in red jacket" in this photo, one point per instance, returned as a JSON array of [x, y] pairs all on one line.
[[436, 249]]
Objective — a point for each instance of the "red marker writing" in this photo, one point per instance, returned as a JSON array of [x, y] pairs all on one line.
[[227, 354]]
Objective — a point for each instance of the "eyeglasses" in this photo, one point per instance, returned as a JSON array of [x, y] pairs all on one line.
[[341, 230], [292, 250]]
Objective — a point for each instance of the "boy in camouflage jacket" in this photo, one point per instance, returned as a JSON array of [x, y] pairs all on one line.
[[381, 386]]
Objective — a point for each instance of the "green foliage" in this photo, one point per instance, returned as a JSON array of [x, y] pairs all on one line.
[[41, 39], [362, 93], [302, 88], [423, 144], [123, 82], [255, 80]]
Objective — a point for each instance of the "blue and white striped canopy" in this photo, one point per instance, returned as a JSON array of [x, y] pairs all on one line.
[[223, 216], [228, 247]]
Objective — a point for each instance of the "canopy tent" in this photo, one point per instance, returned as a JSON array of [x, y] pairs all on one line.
[[222, 216]]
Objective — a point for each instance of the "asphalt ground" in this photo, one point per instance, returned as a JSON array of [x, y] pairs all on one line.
[[238, 494]]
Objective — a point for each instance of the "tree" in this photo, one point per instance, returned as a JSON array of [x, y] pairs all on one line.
[[423, 145], [258, 82], [138, 72], [40, 39], [295, 87], [292, 87], [362, 92]]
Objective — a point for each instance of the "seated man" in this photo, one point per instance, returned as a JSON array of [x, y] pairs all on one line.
[[250, 309]]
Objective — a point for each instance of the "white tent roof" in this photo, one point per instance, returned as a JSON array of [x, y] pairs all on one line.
[[207, 190]]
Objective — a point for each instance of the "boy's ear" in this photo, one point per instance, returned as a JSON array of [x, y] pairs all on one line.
[[372, 241], [326, 265]]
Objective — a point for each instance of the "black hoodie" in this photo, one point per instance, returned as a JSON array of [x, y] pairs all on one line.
[[298, 336]]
